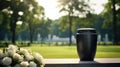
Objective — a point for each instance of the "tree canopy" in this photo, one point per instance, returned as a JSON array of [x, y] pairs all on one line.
[[73, 8], [21, 10], [111, 15]]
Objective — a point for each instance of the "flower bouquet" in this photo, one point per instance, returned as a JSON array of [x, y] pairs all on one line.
[[13, 56]]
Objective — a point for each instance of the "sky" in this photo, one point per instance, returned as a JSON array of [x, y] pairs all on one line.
[[52, 11]]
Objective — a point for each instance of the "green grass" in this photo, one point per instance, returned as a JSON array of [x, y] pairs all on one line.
[[71, 51], [55, 51], [108, 52]]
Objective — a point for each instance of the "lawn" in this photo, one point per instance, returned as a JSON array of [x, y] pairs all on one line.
[[70, 51]]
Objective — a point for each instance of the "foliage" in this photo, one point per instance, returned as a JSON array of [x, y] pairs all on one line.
[[4, 24], [90, 21], [72, 8], [21, 10], [63, 22], [111, 18], [44, 28], [4, 4]]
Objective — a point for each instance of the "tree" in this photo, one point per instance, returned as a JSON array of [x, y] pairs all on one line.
[[16, 8], [73, 8], [4, 25], [4, 4], [112, 12], [32, 16], [115, 41]]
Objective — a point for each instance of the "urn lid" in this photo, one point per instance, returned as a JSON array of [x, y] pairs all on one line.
[[82, 30]]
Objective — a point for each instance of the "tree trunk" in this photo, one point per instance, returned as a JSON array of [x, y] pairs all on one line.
[[13, 29], [70, 30], [115, 39], [13, 33], [31, 35], [13, 19]]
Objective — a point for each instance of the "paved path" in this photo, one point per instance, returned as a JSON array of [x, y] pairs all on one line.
[[76, 61]]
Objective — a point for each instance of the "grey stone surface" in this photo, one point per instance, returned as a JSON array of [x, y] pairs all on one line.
[[76, 61], [98, 62]]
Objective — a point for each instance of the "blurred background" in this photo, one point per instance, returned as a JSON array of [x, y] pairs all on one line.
[[55, 22]]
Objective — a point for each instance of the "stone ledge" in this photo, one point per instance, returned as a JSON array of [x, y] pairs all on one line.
[[84, 65], [98, 62], [76, 61]]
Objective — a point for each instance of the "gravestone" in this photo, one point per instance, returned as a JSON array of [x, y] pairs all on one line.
[[38, 38], [49, 38], [19, 38], [73, 39], [6, 38], [106, 38], [99, 38]]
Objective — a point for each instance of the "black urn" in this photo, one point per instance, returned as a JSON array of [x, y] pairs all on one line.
[[86, 39]]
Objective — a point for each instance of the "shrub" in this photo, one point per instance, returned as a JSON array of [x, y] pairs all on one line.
[[13, 56]]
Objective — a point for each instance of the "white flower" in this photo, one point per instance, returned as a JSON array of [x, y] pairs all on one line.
[[18, 57], [1, 54], [23, 51], [29, 57], [23, 57], [38, 57], [11, 52], [7, 61], [24, 64], [32, 64], [13, 47], [17, 65]]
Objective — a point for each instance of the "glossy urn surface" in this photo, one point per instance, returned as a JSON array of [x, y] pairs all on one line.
[[86, 39]]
